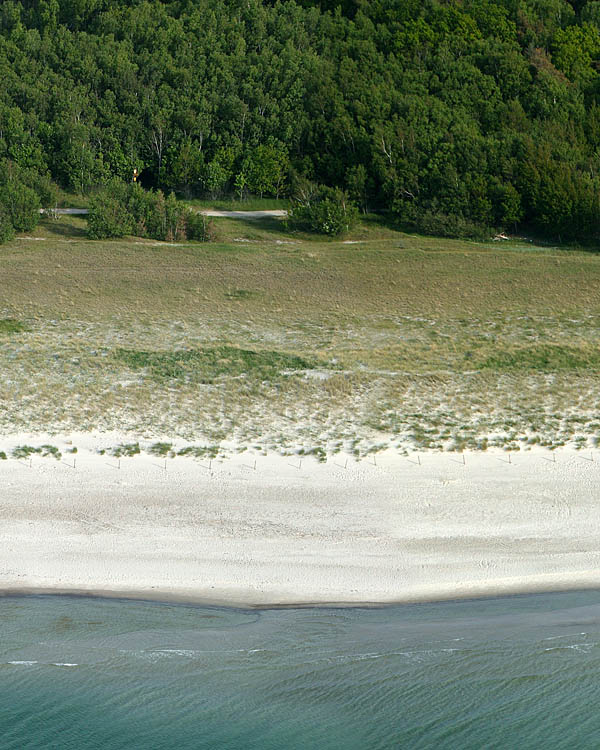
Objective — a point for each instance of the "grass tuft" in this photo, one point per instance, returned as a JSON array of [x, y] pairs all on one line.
[[10, 325], [160, 449], [239, 294], [199, 451], [125, 449]]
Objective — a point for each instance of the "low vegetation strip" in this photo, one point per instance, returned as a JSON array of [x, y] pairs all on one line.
[[441, 344], [204, 365], [26, 451], [544, 358]]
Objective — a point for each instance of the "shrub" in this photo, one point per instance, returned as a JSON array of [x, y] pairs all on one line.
[[122, 209], [142, 207], [323, 210], [199, 227], [435, 223], [204, 365], [198, 451], [22, 205], [109, 216]]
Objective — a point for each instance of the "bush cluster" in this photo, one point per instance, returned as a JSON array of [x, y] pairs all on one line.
[[323, 210], [122, 209], [19, 201]]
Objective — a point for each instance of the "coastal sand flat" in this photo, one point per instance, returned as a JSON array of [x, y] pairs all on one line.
[[291, 532]]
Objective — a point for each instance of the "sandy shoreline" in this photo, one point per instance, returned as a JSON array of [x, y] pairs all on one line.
[[497, 590], [305, 533]]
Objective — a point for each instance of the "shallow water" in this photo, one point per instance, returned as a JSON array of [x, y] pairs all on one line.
[[99, 673]]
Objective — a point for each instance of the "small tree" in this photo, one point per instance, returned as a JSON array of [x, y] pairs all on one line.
[[267, 169], [241, 182], [174, 219], [508, 205], [216, 173], [185, 165], [356, 180]]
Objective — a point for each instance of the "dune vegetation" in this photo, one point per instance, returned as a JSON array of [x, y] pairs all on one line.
[[277, 338]]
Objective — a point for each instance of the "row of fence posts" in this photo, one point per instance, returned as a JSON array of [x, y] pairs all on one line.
[[341, 466]]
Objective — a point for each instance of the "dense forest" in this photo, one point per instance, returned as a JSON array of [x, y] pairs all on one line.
[[454, 115]]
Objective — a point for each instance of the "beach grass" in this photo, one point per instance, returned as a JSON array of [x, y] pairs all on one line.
[[375, 338]]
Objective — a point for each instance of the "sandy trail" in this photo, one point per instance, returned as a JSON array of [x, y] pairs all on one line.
[[272, 214], [287, 532], [268, 214]]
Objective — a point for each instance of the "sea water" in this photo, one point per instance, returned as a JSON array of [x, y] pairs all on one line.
[[517, 672]]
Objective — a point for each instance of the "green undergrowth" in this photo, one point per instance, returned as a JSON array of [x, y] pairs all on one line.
[[204, 365]]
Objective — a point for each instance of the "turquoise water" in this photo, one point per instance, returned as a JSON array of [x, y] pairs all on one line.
[[505, 673]]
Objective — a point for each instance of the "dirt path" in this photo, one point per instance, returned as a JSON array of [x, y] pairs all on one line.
[[273, 214], [64, 211]]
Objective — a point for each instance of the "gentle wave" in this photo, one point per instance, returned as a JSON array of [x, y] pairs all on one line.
[[28, 663], [22, 663]]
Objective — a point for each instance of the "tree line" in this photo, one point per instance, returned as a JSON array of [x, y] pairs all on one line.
[[454, 115]]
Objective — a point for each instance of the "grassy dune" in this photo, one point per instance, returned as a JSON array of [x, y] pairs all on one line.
[[281, 340]]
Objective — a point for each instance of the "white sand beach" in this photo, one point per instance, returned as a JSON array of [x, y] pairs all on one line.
[[291, 531]]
